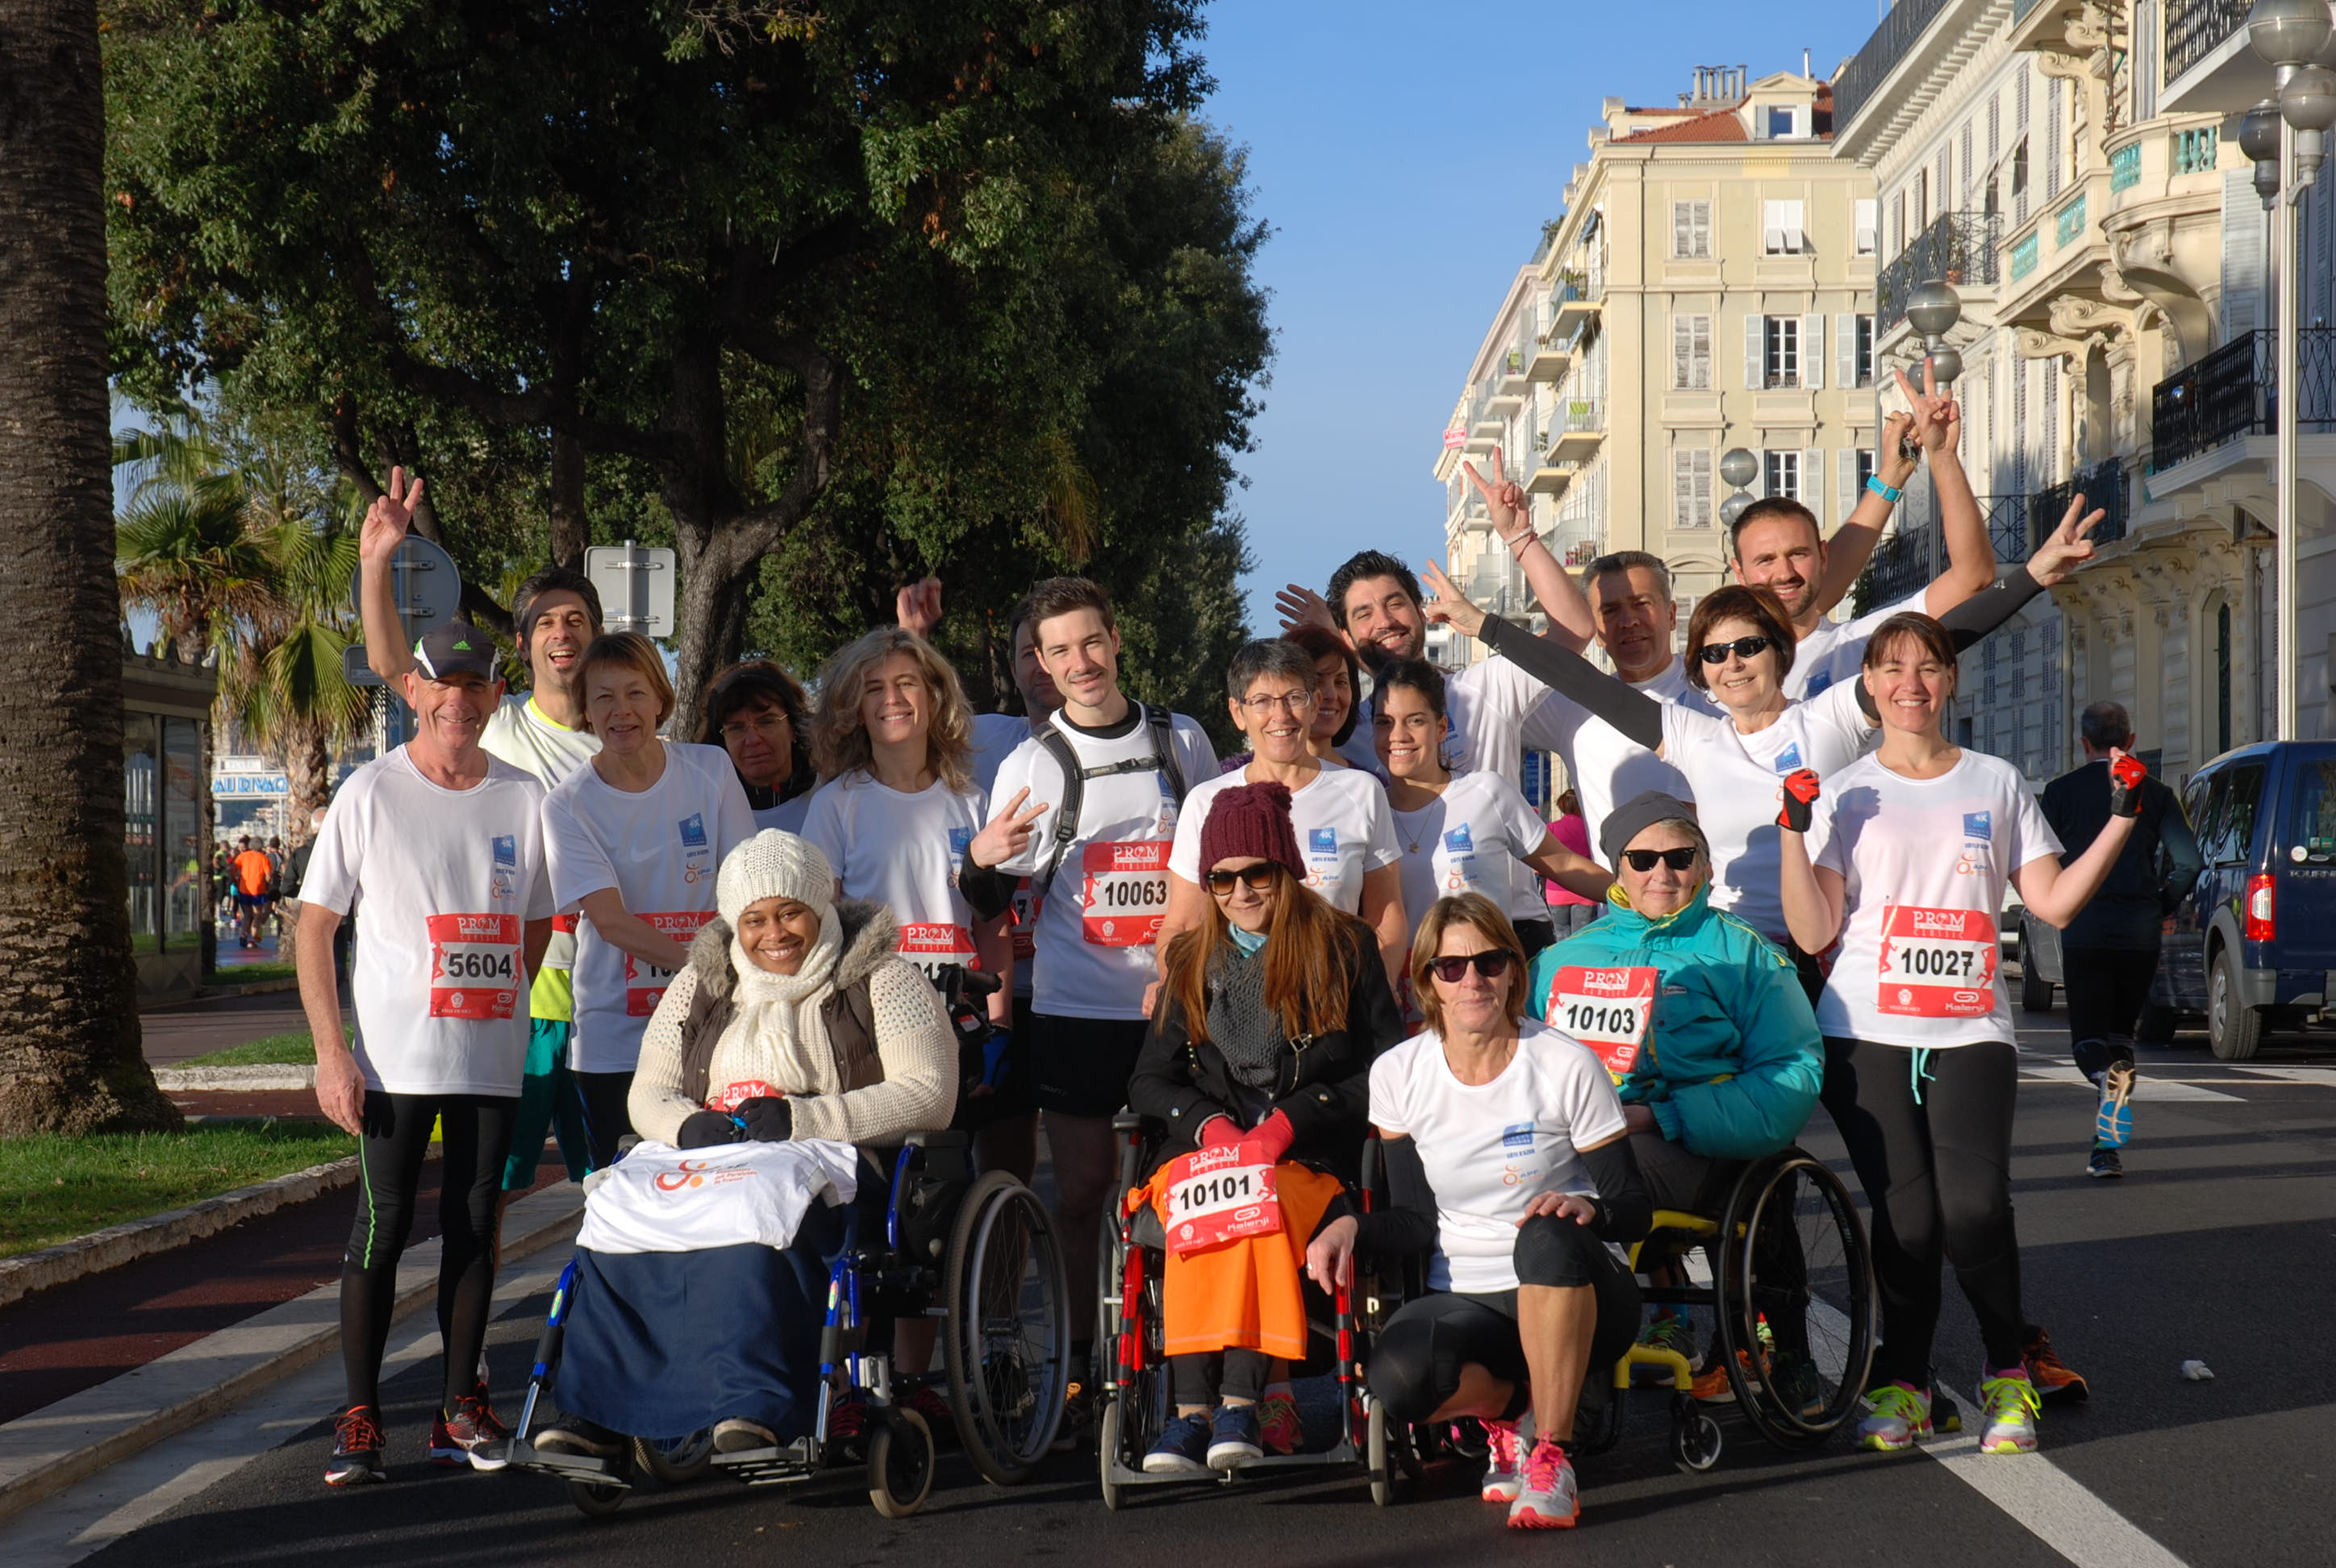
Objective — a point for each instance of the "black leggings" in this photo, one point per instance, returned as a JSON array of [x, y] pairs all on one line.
[[2106, 987], [1416, 1363], [476, 1140], [608, 1112], [1208, 1377], [1937, 1175]]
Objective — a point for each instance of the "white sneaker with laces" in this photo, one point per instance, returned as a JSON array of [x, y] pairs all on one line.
[[1503, 1475]]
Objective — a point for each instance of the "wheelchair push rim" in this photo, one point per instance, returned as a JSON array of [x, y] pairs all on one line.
[[1796, 1295], [1007, 1334]]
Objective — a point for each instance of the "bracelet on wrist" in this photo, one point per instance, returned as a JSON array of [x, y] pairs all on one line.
[[1888, 492]]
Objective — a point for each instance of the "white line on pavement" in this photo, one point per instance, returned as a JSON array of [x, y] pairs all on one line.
[[2048, 1504], [2149, 1089], [2325, 1078]]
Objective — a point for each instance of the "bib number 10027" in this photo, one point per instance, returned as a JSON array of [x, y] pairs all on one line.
[[1937, 963]]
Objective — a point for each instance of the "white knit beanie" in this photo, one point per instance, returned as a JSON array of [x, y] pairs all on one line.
[[774, 865]]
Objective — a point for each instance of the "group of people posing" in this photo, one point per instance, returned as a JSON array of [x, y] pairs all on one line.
[[578, 927]]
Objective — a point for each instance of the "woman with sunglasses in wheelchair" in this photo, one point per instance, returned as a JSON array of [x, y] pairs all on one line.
[[1271, 1013], [1507, 1157]]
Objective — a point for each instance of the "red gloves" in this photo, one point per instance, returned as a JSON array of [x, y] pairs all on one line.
[[1220, 1132], [1271, 1138], [2125, 774], [1800, 801]]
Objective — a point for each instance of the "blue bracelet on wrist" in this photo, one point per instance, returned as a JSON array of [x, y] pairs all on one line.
[[1887, 492]]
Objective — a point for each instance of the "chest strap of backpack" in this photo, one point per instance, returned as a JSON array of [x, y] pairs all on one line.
[[1161, 760]]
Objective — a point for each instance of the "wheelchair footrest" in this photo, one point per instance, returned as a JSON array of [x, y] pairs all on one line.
[[775, 1466], [571, 1466]]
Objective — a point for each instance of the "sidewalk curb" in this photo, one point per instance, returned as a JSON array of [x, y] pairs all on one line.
[[119, 1244], [50, 1449], [260, 1078]]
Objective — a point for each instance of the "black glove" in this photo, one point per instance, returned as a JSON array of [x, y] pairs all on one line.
[[769, 1119], [703, 1129], [2125, 774]]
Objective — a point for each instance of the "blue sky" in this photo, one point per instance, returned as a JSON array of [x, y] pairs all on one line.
[[1406, 165]]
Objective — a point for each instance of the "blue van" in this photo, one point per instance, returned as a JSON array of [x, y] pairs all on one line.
[[2252, 946]]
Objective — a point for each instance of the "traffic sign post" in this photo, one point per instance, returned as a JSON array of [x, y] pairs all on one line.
[[427, 588], [635, 587]]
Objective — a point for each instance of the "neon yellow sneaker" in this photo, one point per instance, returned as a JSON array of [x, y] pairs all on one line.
[[1898, 1415], [2009, 1405]]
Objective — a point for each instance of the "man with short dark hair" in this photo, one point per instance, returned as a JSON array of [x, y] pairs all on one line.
[[2108, 953]]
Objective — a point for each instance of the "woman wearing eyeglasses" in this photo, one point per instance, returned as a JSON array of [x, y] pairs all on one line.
[[1507, 1156], [1271, 1011], [1345, 838]]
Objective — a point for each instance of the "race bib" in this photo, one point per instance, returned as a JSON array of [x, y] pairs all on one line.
[[1127, 893], [738, 1093], [936, 943], [1609, 1011], [645, 983], [1220, 1195], [474, 965], [1937, 963], [1025, 922]]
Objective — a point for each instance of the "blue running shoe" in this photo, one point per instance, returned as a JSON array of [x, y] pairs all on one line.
[[1233, 1438], [2113, 1126], [1182, 1448]]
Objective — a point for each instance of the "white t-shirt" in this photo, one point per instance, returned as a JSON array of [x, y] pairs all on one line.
[[1095, 925], [1835, 651], [659, 850], [1605, 766], [1487, 703], [904, 851], [1490, 1148], [1469, 839], [995, 736], [519, 734], [1925, 863], [1738, 780], [446, 880], [787, 816], [1344, 831]]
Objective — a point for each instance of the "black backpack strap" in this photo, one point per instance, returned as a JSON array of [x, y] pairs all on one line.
[[1163, 746], [1159, 723]]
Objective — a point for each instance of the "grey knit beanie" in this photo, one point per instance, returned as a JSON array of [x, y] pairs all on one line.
[[774, 865]]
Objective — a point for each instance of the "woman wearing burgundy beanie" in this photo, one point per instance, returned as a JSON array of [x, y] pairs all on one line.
[[1271, 1013]]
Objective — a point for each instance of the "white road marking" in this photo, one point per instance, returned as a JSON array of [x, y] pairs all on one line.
[[2324, 1077], [2046, 1502], [2148, 1088]]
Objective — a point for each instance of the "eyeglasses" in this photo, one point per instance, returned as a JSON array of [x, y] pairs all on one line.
[[1259, 877], [1743, 648], [1679, 860], [1491, 963], [768, 722], [1292, 703]]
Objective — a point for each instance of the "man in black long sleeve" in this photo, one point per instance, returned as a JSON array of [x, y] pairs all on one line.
[[2109, 952]]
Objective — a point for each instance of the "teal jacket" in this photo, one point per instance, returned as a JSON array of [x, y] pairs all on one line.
[[1732, 1062]]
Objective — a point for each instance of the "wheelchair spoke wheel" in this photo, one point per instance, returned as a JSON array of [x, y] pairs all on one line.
[[1796, 1301], [1008, 1329], [676, 1461], [900, 1463], [1386, 1466], [595, 1500], [1695, 1436]]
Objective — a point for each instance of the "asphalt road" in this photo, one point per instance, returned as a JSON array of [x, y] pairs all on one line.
[[2216, 1246]]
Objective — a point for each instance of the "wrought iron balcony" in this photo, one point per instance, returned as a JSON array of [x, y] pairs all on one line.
[[1901, 564], [2196, 28], [1897, 34], [2232, 393], [2104, 488], [1959, 246]]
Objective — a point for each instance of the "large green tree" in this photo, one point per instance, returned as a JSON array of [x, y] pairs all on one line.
[[680, 268]]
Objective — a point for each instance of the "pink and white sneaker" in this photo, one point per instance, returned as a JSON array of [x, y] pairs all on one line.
[[1503, 1475], [1550, 1499]]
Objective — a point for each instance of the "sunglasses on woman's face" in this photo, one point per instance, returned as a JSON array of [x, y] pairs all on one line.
[[1259, 878], [1743, 648], [1493, 963], [1679, 860]]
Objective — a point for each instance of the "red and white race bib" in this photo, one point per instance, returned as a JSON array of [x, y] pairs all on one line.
[[1025, 922], [1220, 1195], [1937, 963], [645, 983], [1609, 1011], [737, 1094], [474, 965], [931, 944], [1126, 892]]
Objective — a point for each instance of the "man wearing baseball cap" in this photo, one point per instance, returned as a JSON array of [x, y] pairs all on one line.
[[443, 845]]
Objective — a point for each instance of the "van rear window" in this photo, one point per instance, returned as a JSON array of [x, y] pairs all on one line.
[[2311, 818]]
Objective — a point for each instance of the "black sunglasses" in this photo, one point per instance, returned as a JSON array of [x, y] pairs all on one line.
[[1491, 963], [1746, 647], [1259, 877], [1679, 860]]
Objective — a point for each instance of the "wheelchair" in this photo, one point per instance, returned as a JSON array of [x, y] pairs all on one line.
[[978, 1254], [1131, 1379], [1792, 1293]]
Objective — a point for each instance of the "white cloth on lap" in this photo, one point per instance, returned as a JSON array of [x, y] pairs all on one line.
[[661, 1199]]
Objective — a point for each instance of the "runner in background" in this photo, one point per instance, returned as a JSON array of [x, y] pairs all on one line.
[[756, 712], [254, 875], [1569, 912], [634, 841], [442, 846]]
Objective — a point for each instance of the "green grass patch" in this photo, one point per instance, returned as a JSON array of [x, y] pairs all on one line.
[[296, 1049], [52, 1188], [246, 974]]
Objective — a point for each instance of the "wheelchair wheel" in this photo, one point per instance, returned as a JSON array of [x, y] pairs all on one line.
[[1796, 1291], [900, 1463], [1600, 1435], [676, 1461], [595, 1500], [1380, 1450], [1007, 1338], [1107, 1441], [1694, 1436]]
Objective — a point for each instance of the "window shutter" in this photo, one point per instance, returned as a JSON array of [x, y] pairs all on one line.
[[1795, 231], [1703, 500], [1844, 351], [1699, 353], [1845, 478], [1703, 228], [1681, 245], [2243, 254], [1812, 482], [1682, 350], [1867, 241], [1683, 493], [2052, 137], [1813, 352], [1755, 371]]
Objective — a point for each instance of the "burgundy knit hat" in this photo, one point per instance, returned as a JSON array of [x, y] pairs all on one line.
[[1251, 819]]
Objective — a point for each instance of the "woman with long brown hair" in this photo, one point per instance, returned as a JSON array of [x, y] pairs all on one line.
[[1271, 1010]]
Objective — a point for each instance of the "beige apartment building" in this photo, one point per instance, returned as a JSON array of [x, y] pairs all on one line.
[[1710, 286]]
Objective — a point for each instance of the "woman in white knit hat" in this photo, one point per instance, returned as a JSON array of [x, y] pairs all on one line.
[[793, 1019]]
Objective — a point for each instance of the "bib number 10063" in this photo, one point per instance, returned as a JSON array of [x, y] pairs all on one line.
[[1127, 893]]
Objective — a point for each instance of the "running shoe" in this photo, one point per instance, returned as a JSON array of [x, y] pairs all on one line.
[[1182, 1448], [2057, 1383], [1796, 1386], [1712, 1386], [1278, 1423], [739, 1436], [1898, 1415], [2104, 1163], [581, 1438], [357, 1448], [1504, 1470], [1668, 1330], [940, 1416], [1233, 1438], [1946, 1415], [2113, 1124], [1550, 1499], [471, 1435], [2010, 1404], [1079, 1417], [847, 1421]]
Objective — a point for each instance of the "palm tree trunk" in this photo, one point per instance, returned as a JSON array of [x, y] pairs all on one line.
[[70, 1050], [307, 777]]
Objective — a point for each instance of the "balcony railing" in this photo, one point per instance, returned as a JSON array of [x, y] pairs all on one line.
[[2231, 394], [2104, 488], [2196, 28], [1901, 564], [1906, 23], [1958, 247]]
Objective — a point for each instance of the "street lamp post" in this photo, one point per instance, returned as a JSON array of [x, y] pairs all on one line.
[[2288, 35], [1738, 468], [1932, 310]]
